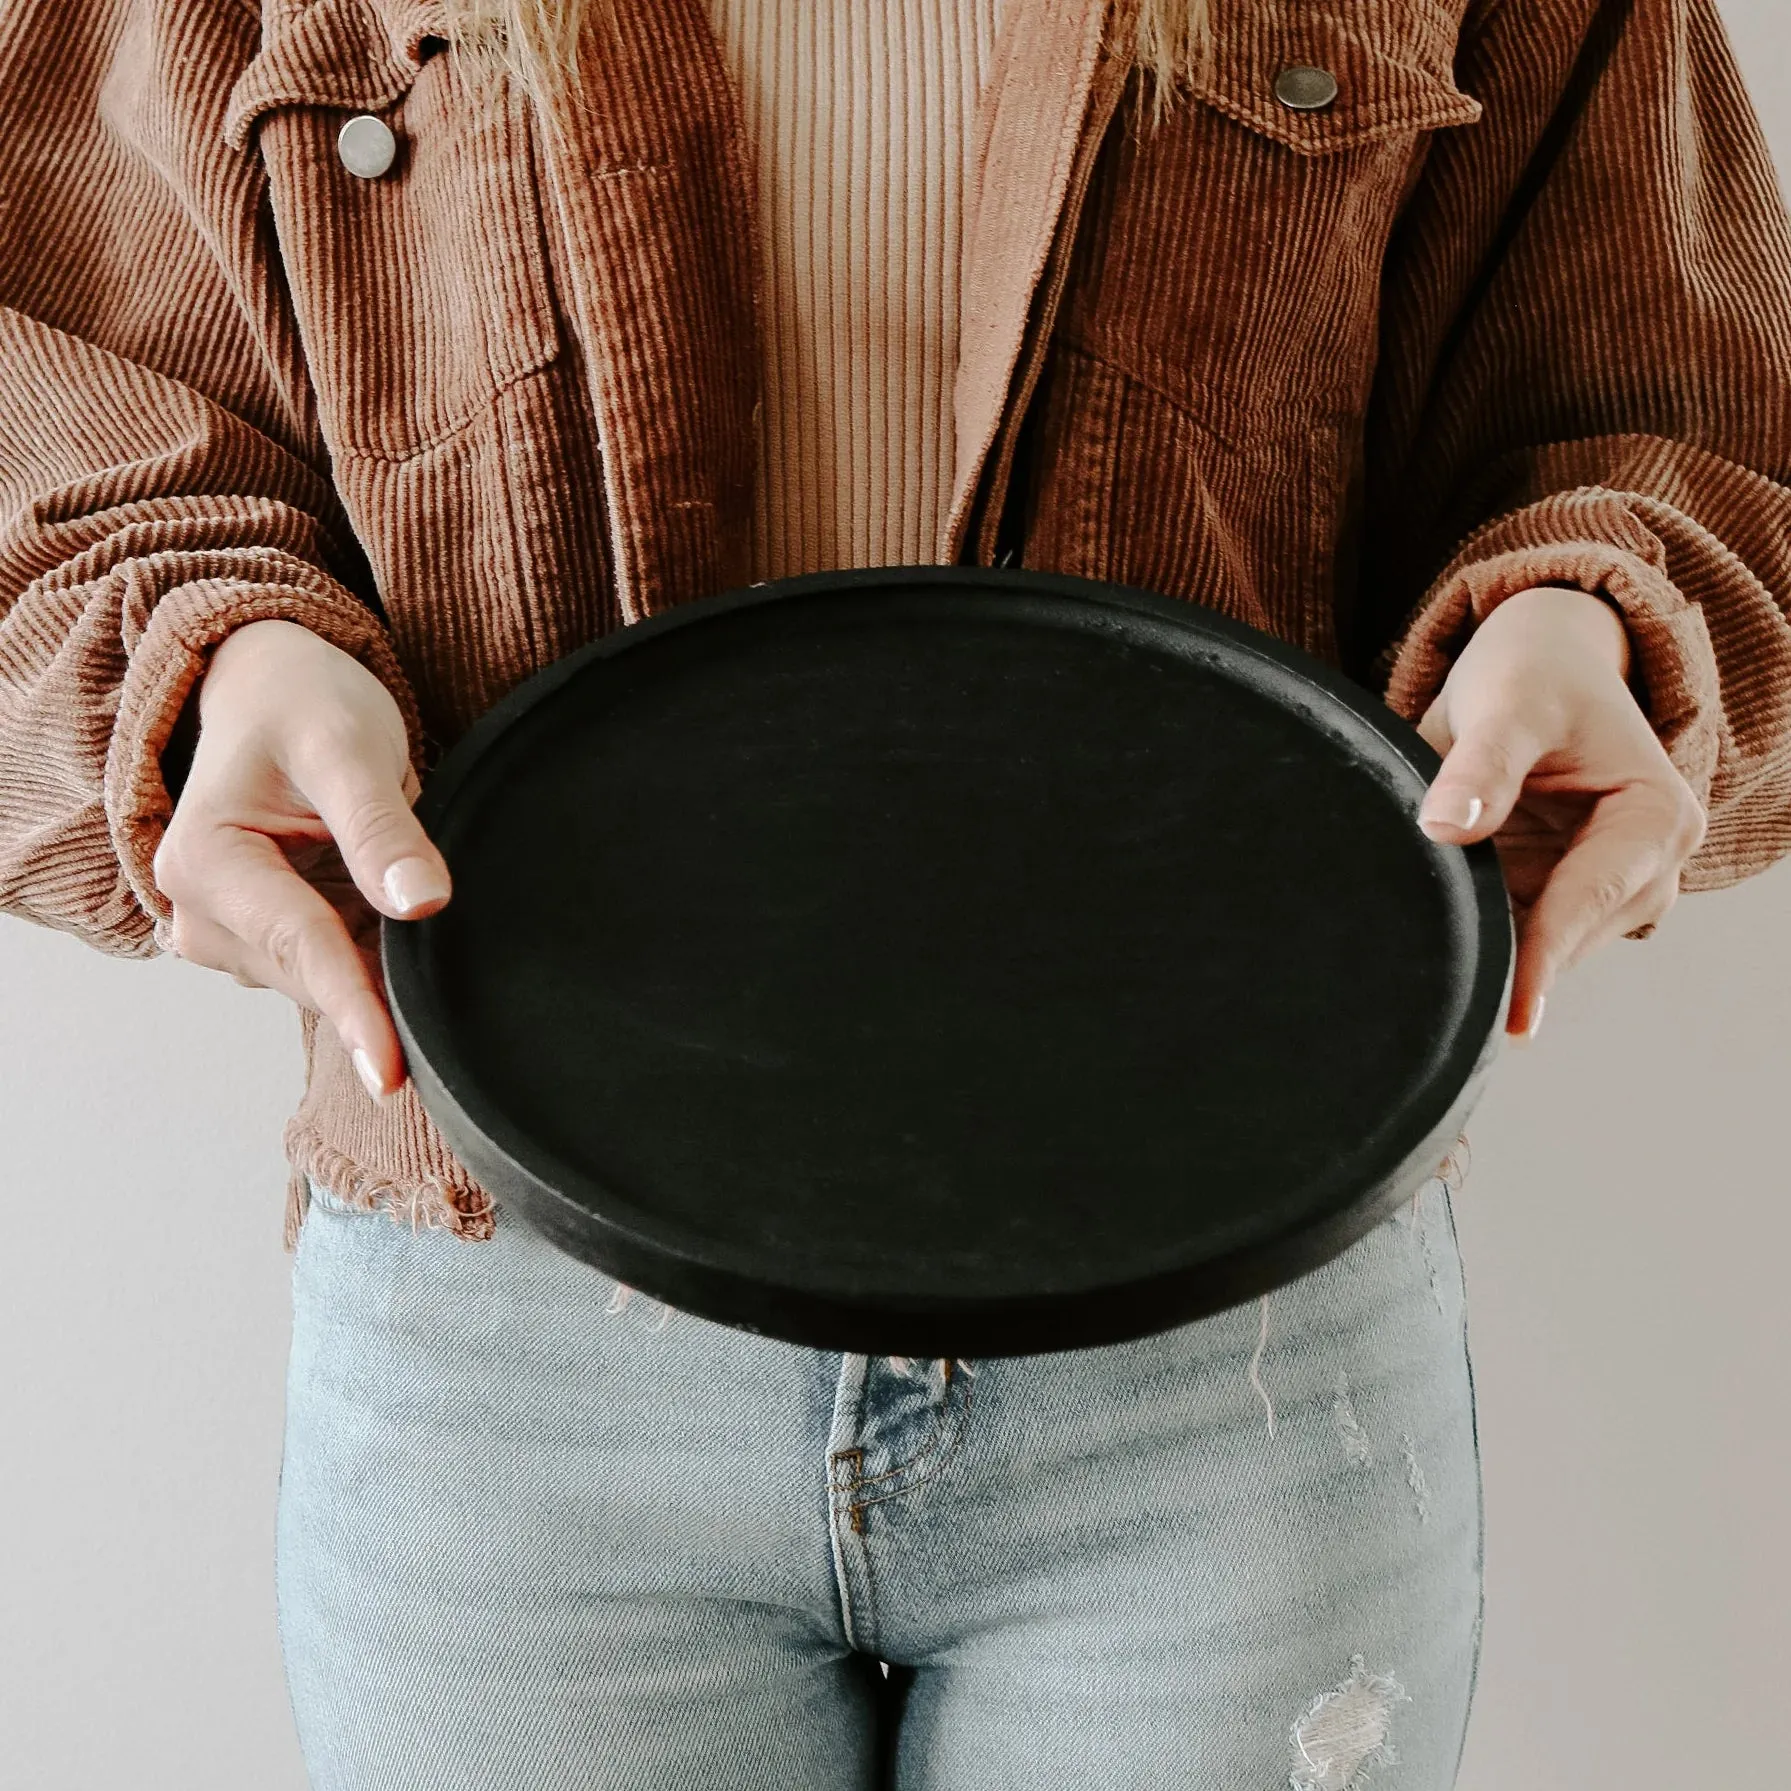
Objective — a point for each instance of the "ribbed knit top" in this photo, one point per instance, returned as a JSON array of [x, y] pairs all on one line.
[[860, 118]]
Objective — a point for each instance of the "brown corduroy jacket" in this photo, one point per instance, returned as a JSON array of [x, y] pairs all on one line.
[[1514, 309]]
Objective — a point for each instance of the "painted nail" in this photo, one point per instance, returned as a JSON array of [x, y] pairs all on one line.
[[413, 881], [1455, 811], [363, 1066], [1526, 1038]]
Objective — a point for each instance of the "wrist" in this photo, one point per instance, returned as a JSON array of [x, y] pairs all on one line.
[[1598, 618], [246, 651]]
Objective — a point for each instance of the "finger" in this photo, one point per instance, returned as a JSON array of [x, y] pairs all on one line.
[[201, 942], [1480, 782], [360, 795], [1433, 728], [1534, 977], [1617, 866], [291, 939], [376, 973], [1648, 906], [210, 947], [320, 864]]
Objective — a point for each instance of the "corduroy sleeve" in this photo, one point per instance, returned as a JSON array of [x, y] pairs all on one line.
[[147, 503], [1586, 381]]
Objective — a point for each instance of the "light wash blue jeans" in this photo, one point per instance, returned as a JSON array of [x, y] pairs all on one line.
[[537, 1531]]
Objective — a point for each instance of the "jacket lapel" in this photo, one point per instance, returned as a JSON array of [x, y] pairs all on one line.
[[1051, 92], [650, 186]]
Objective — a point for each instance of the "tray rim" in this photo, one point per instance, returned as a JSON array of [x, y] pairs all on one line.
[[631, 1243]]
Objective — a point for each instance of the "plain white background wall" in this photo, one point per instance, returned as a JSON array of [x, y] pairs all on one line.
[[1625, 1226]]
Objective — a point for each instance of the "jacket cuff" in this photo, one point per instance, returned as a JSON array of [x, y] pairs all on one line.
[[165, 661], [1672, 670]]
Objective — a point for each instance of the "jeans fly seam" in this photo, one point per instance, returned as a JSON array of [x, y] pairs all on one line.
[[939, 1434], [933, 1473]]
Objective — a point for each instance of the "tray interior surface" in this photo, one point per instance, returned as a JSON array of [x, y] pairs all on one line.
[[907, 944]]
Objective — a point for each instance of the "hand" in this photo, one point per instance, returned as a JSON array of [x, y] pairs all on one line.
[[294, 833], [1590, 819]]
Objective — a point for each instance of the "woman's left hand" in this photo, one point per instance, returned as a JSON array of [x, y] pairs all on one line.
[[1590, 818]]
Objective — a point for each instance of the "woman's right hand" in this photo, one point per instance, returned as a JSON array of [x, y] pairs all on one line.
[[294, 833]]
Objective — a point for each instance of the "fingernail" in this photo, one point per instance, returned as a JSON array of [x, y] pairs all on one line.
[[363, 1066], [1535, 1021], [1454, 810], [413, 881]]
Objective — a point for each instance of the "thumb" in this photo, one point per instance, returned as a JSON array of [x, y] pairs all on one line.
[[394, 863], [1479, 785]]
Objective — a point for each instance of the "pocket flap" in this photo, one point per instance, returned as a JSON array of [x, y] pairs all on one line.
[[359, 55], [1393, 77]]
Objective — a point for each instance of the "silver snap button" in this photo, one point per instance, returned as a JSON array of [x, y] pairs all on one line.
[[366, 146], [1306, 89]]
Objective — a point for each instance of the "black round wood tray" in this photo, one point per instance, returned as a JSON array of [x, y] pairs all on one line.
[[948, 962]]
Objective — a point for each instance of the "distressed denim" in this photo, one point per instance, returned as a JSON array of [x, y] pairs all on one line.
[[538, 1531]]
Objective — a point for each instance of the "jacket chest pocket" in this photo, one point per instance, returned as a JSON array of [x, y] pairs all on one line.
[[421, 292], [1278, 176], [1201, 410], [1391, 62]]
